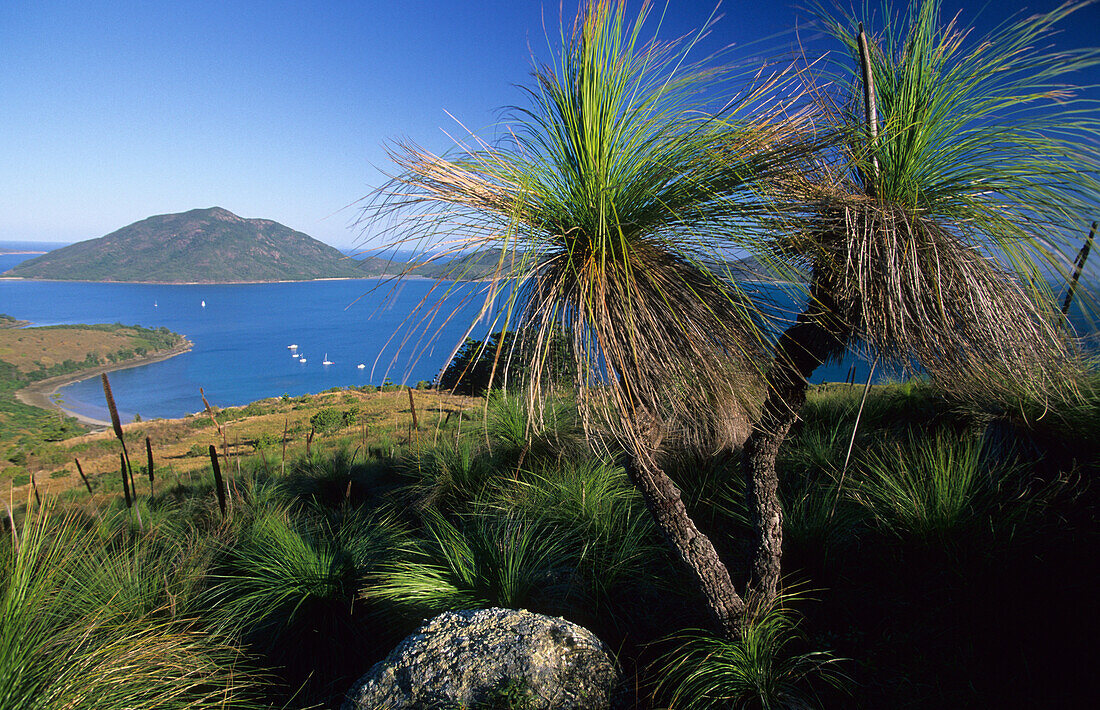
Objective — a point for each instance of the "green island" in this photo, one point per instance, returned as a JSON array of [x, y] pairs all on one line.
[[199, 246]]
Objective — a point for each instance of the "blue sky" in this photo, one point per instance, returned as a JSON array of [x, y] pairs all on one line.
[[111, 111]]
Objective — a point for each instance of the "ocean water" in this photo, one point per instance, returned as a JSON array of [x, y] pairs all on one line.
[[241, 336]]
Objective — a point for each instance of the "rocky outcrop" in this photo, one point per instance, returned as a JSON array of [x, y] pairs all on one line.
[[464, 658]]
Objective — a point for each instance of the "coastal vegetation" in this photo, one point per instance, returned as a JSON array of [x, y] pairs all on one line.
[[646, 457], [30, 355], [335, 545]]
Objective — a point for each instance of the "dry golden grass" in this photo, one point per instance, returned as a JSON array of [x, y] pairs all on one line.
[[28, 348], [180, 445]]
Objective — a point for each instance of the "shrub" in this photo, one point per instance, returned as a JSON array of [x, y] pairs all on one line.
[[267, 440], [327, 420]]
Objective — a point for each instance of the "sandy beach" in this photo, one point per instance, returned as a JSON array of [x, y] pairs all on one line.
[[38, 394]]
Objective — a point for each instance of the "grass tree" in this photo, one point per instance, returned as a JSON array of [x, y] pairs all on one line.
[[927, 238], [609, 192]]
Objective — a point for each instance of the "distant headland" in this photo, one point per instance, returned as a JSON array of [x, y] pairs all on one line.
[[199, 246]]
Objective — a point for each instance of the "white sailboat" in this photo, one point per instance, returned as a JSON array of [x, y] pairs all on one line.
[[326, 361]]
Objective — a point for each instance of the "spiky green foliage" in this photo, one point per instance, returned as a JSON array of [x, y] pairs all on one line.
[[593, 504], [759, 670], [935, 489], [478, 562], [611, 185], [929, 239], [288, 585], [281, 568], [340, 476], [63, 643], [449, 475]]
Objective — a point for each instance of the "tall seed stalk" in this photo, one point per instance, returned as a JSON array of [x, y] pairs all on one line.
[[1078, 267], [116, 424], [221, 429], [125, 481], [219, 485], [149, 452], [84, 478]]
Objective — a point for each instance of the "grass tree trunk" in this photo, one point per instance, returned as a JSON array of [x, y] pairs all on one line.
[[814, 337], [694, 549]]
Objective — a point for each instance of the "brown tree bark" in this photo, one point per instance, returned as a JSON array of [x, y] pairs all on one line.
[[694, 549], [815, 336]]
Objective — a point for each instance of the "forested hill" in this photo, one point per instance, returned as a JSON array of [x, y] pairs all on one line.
[[205, 246]]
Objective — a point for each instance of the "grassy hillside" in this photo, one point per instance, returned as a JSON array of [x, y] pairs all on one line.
[[330, 551], [204, 245], [30, 355]]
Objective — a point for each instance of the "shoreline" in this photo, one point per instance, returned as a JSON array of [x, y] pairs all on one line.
[[188, 283], [378, 277], [37, 394]]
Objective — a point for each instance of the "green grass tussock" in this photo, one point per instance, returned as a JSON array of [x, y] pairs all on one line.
[[764, 669], [65, 644]]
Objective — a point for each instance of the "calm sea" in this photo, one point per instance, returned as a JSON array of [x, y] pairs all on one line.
[[241, 336]]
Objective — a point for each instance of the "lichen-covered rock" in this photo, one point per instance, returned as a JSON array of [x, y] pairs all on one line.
[[462, 658]]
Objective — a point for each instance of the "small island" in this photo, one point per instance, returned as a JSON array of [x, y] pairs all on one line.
[[210, 245]]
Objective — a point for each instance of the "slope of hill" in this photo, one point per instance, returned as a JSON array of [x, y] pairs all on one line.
[[205, 245], [466, 267], [483, 263]]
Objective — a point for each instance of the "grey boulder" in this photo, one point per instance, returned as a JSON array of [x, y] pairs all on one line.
[[466, 658]]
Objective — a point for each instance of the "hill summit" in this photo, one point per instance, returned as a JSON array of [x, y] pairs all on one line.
[[205, 246]]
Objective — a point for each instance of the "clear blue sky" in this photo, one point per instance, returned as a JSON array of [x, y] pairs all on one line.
[[114, 110]]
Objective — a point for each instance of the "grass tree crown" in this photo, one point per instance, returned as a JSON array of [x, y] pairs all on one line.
[[934, 235], [616, 184]]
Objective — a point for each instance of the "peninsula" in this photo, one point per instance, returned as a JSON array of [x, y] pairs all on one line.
[[35, 362]]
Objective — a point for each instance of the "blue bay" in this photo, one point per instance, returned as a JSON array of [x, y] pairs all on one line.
[[241, 335]]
